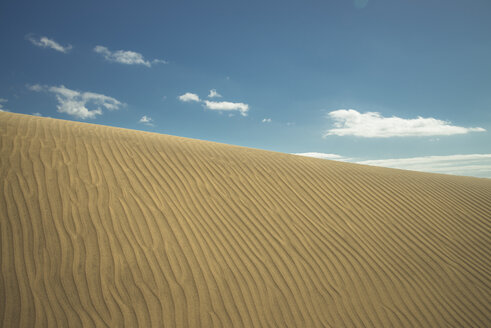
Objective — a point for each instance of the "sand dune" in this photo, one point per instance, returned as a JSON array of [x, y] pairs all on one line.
[[102, 226]]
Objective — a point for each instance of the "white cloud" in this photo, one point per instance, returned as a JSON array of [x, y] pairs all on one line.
[[45, 42], [472, 164], [216, 105], [147, 120], [75, 103], [266, 120], [126, 57], [159, 61], [188, 96], [335, 157], [34, 87], [214, 94], [478, 165], [227, 106], [105, 101], [2, 109], [349, 122], [37, 114]]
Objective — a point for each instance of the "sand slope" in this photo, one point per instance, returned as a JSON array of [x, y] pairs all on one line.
[[103, 226]]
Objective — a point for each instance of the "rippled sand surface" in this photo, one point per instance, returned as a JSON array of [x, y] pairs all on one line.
[[107, 227]]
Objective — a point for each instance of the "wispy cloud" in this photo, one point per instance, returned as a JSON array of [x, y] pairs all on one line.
[[189, 97], [472, 164], [34, 87], [147, 120], [214, 94], [37, 114], [159, 61], [2, 101], [75, 103], [266, 120], [335, 157], [45, 42], [349, 122], [478, 165], [227, 106], [126, 57]]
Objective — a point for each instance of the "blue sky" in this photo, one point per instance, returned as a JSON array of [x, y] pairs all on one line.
[[364, 81]]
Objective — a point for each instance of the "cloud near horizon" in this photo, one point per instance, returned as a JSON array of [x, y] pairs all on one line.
[[2, 101], [126, 57], [45, 42], [335, 157], [478, 165], [349, 122], [75, 103]]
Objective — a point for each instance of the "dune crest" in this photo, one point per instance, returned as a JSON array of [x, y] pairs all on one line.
[[102, 226]]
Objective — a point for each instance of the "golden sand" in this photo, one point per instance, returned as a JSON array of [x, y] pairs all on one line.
[[102, 226]]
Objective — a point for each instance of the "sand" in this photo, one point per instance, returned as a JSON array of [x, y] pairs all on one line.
[[102, 226]]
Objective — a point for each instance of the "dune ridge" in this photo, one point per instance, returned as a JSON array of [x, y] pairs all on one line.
[[108, 227]]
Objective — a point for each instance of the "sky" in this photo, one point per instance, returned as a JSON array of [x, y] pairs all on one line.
[[394, 83]]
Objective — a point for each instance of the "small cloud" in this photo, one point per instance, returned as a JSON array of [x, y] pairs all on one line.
[[188, 97], [159, 61], [126, 57], [349, 122], [227, 106], [266, 120], [164, 97], [214, 94], [75, 103], [45, 42], [2, 101], [35, 87], [37, 114], [147, 120], [334, 157]]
